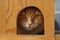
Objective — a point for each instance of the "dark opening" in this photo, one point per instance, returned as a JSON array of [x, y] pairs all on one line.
[[30, 21]]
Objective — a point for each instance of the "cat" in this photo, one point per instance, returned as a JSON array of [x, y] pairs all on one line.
[[30, 21]]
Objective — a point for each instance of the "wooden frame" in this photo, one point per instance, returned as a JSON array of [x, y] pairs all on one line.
[[10, 9]]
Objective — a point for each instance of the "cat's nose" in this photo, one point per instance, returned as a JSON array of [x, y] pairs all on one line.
[[30, 25]]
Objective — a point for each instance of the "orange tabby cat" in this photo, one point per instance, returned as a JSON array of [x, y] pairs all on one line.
[[30, 21]]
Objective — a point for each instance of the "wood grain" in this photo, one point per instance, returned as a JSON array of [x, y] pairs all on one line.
[[2, 17], [9, 10], [44, 6]]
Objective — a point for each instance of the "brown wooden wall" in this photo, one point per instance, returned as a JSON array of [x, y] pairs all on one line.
[[9, 10], [13, 8]]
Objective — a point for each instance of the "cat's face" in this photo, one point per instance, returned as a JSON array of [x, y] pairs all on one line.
[[30, 19]]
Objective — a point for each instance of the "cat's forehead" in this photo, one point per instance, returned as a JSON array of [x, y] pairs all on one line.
[[30, 11]]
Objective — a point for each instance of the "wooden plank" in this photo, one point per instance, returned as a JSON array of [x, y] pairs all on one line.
[[2, 17], [22, 37], [10, 37], [15, 37]]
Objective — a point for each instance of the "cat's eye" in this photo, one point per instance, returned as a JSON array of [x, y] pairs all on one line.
[[37, 15]]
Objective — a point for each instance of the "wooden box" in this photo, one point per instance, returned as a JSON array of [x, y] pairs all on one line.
[[9, 10]]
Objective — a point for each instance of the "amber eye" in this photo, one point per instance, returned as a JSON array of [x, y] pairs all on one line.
[[37, 15]]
